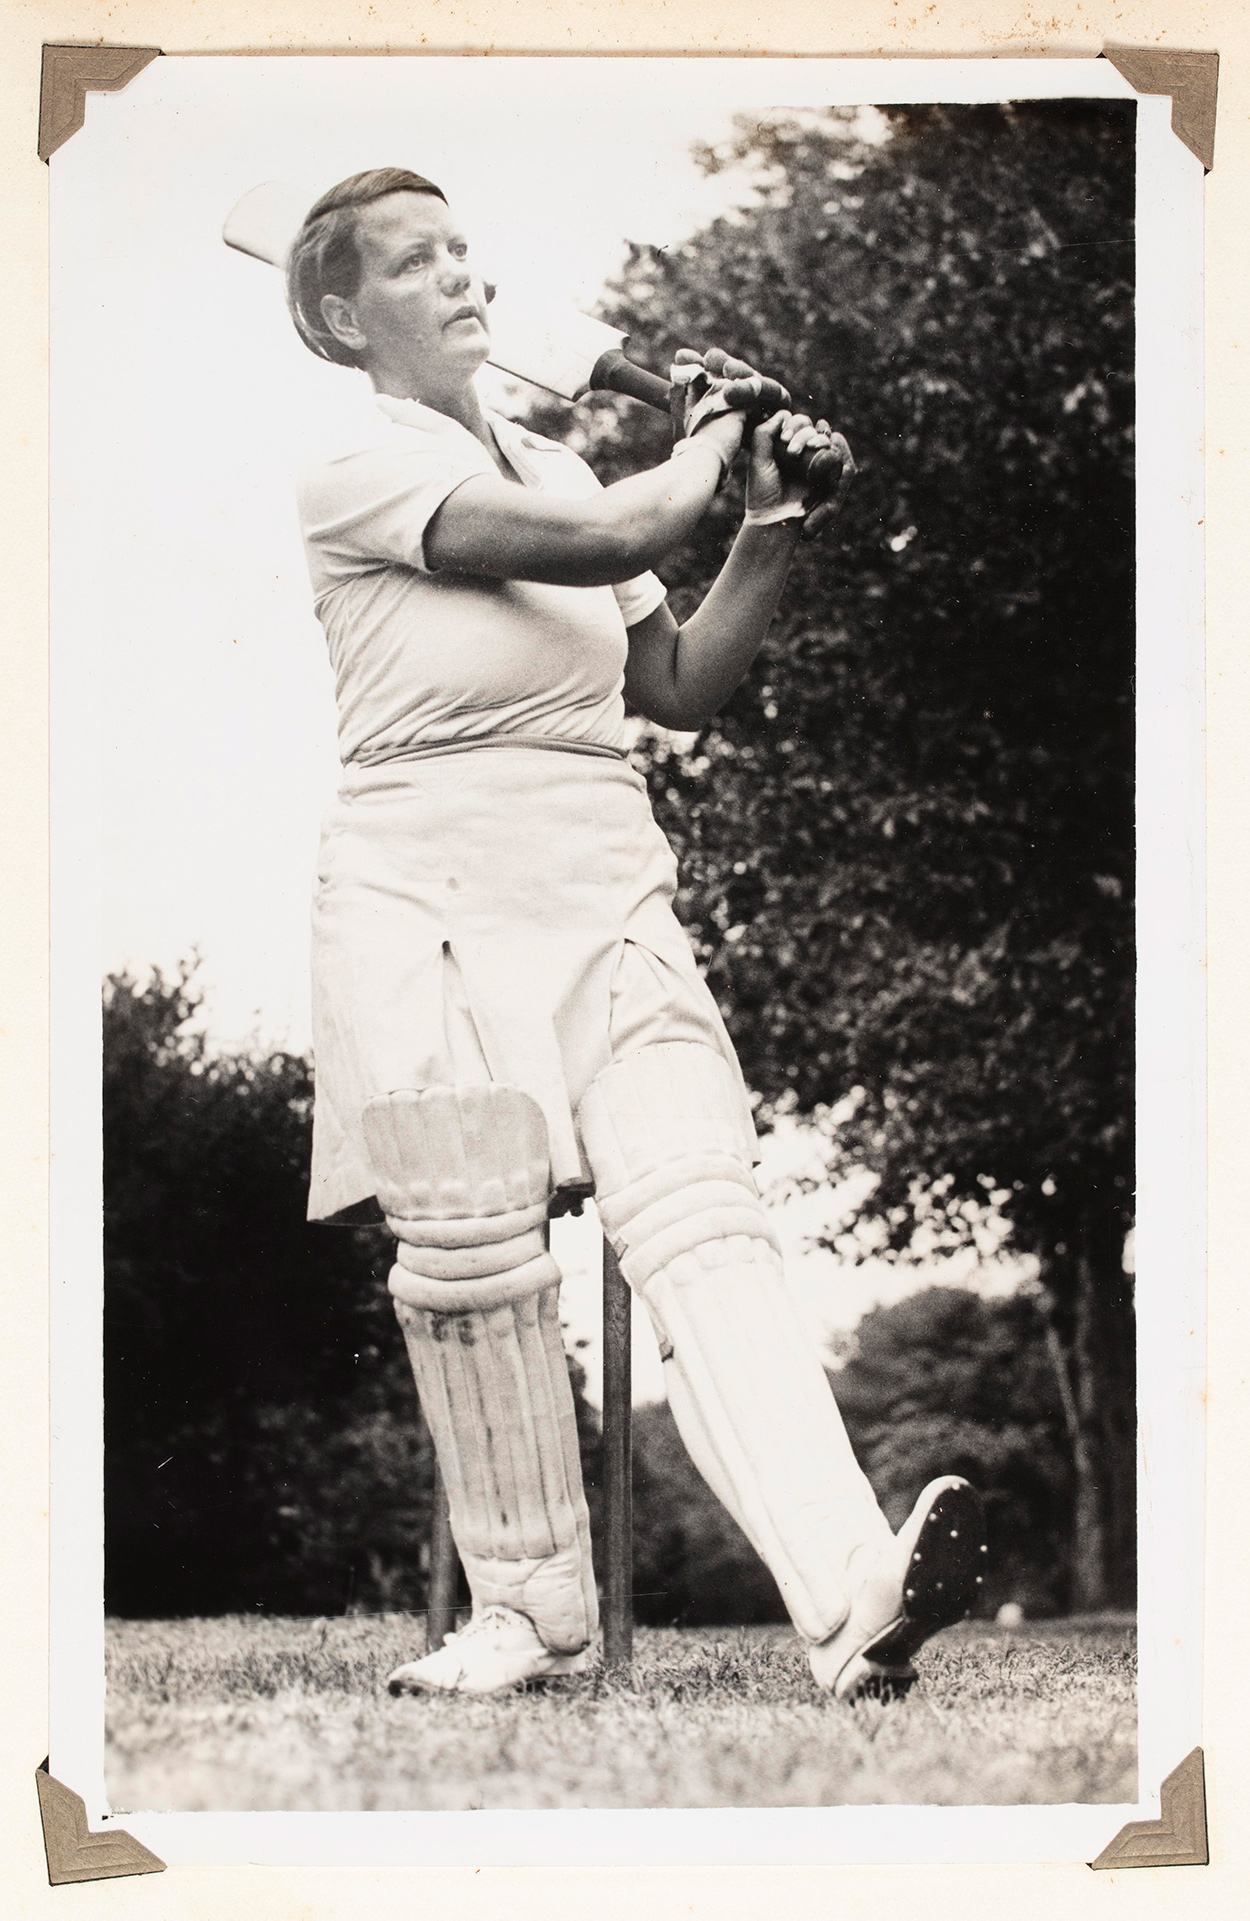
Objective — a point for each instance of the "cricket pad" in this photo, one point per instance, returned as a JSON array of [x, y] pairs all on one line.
[[464, 1177], [677, 1198]]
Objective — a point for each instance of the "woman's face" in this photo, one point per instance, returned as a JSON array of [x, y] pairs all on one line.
[[418, 317]]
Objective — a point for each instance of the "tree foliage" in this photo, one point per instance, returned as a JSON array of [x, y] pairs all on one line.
[[945, 1382], [262, 1446], [906, 843]]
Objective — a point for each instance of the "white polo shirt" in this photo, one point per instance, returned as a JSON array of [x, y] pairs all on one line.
[[423, 658]]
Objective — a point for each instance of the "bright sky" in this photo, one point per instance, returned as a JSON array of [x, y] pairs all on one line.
[[183, 403]]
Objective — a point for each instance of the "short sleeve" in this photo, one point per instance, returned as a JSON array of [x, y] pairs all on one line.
[[639, 597], [372, 505]]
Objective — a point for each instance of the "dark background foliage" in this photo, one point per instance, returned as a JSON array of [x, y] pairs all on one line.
[[255, 1395], [906, 848]]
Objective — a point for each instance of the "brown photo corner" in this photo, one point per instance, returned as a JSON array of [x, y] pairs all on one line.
[[1179, 1837]]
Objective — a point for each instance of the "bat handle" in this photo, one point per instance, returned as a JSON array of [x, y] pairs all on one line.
[[613, 373]]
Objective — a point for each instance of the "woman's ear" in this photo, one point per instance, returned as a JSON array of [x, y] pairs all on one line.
[[340, 318]]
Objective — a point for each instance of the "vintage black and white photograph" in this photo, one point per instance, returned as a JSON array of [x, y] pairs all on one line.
[[597, 605]]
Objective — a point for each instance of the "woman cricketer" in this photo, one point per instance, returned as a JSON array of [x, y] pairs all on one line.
[[506, 1015]]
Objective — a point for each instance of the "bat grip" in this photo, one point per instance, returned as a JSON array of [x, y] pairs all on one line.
[[613, 373]]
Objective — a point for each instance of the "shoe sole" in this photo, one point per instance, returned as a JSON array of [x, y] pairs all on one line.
[[941, 1585]]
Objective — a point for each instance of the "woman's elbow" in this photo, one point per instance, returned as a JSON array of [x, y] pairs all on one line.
[[582, 557], [673, 711], [615, 548]]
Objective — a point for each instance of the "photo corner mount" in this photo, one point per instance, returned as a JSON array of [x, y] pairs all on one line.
[[1192, 79], [1178, 1839], [69, 73], [74, 1852]]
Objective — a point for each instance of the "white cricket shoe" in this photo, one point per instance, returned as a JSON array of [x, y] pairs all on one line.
[[928, 1578], [497, 1650]]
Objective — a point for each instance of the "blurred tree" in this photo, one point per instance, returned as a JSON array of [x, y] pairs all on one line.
[[262, 1444], [906, 843], [948, 1382]]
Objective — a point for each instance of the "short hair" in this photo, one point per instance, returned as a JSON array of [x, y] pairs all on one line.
[[326, 255]]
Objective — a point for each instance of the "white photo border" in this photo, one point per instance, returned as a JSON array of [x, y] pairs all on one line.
[[1170, 1237]]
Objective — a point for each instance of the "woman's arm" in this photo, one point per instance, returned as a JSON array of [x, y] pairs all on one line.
[[489, 527], [679, 676]]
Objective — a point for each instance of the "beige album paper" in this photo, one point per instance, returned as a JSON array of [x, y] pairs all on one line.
[[188, 783]]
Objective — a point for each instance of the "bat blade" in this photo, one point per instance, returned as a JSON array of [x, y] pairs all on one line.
[[555, 349], [265, 222]]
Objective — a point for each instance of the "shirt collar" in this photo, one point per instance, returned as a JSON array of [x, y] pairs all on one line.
[[514, 440], [516, 445], [415, 413]]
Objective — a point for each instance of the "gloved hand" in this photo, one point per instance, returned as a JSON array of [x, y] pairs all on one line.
[[710, 384], [788, 481], [828, 482], [712, 395]]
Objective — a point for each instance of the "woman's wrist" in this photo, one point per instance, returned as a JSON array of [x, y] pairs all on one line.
[[782, 513], [703, 445]]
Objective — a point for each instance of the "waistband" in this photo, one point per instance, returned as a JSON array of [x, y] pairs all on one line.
[[434, 749]]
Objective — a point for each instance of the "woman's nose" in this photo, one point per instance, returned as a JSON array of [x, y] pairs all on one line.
[[456, 276]]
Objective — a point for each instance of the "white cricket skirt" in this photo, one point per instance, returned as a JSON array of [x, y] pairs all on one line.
[[503, 913]]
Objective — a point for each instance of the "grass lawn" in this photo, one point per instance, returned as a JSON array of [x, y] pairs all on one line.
[[261, 1713]]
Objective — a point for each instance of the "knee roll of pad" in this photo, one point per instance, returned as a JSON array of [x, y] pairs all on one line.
[[696, 1202], [463, 1176], [672, 1163]]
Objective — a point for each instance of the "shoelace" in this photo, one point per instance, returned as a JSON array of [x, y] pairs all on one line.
[[489, 1617]]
